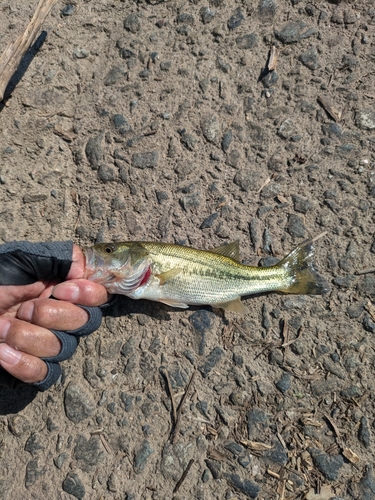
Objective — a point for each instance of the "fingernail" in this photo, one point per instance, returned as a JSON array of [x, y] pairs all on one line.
[[26, 311], [9, 355], [66, 291], [4, 327]]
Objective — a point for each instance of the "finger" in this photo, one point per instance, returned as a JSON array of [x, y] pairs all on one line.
[[23, 366], [84, 292], [53, 314], [77, 269], [28, 338]]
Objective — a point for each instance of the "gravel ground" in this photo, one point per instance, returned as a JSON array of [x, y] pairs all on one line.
[[160, 120]]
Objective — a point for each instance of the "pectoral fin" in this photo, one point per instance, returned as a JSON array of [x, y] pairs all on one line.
[[233, 305], [168, 275], [173, 303], [232, 250]]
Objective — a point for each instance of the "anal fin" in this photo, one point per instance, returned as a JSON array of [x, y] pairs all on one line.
[[168, 275], [233, 305]]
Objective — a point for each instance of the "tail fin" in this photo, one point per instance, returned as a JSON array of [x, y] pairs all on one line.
[[299, 266]]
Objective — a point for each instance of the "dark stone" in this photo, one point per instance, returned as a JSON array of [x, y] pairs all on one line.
[[249, 488], [202, 321], [33, 472], [96, 207], [34, 444], [202, 407], [287, 129], [214, 467], [222, 65], [141, 457], [34, 198], [270, 79], [145, 73], [257, 423], [246, 41], [73, 485], [302, 205], [368, 324], [88, 452], [267, 9], [161, 196], [165, 65], [365, 119], [209, 221], [329, 465], [132, 23], [114, 75], [60, 460], [233, 158], [211, 361], [364, 434], [68, 10], [234, 448], [246, 180], [211, 128], [94, 150], [147, 365], [79, 405], [188, 140], [106, 173], [294, 31], [207, 14], [226, 140], [277, 454], [367, 484], [310, 58], [284, 383], [295, 226], [184, 169], [235, 20], [366, 285], [121, 125], [145, 160]]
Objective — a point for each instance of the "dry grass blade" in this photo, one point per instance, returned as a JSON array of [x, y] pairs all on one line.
[[183, 477], [176, 428], [272, 61], [13, 54], [331, 110], [350, 455], [256, 445]]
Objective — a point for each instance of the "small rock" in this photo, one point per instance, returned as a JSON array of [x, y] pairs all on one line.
[[33, 472], [222, 65], [233, 158], [161, 196], [246, 41], [236, 20], [96, 207], [19, 426], [215, 468], [329, 465], [115, 75], [94, 150], [226, 140], [121, 124], [190, 201], [295, 31], [284, 383], [34, 198], [364, 434], [211, 128], [79, 404], [277, 454], [295, 226], [185, 18], [80, 53], [34, 444], [367, 484], [106, 173], [132, 23], [88, 452], [257, 423], [310, 58], [209, 221], [74, 486], [141, 457], [145, 160], [249, 488], [365, 119], [68, 10], [184, 169], [60, 460], [246, 180], [270, 79], [211, 361], [334, 368], [287, 129], [207, 14]]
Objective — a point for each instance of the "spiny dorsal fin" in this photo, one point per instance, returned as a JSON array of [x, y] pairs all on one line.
[[233, 305], [232, 250], [168, 275]]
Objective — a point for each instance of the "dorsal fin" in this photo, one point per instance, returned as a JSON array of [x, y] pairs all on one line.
[[232, 250]]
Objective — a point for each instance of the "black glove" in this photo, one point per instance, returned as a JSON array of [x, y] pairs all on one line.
[[23, 263]]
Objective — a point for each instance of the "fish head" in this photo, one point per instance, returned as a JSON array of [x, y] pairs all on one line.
[[120, 267]]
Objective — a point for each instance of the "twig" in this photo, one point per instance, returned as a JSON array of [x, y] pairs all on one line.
[[183, 477], [13, 54], [171, 394], [272, 61], [176, 428], [365, 271], [333, 112]]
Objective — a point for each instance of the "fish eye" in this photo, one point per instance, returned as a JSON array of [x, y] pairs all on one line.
[[109, 249]]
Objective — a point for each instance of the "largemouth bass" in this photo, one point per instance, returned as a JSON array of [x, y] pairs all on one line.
[[181, 276]]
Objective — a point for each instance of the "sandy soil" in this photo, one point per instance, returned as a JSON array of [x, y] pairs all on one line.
[[159, 120]]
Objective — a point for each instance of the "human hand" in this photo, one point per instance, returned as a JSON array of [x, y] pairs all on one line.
[[28, 314]]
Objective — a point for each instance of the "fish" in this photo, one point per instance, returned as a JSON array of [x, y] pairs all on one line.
[[181, 276]]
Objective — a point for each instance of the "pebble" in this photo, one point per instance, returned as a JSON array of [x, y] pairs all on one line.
[[267, 9], [33, 472], [284, 383], [80, 53], [365, 119], [367, 484], [96, 207], [19, 426], [214, 467], [334, 368], [34, 444], [121, 124], [132, 23], [247, 41], [302, 205], [78, 403], [68, 10], [208, 222], [73, 485], [60, 460], [364, 434], [184, 169], [207, 14], [295, 226], [277, 454], [233, 158], [236, 19], [249, 488], [257, 423], [211, 361], [295, 31], [287, 129], [270, 79], [141, 457], [88, 452], [34, 198], [329, 465], [106, 173], [114, 75], [210, 126], [145, 160], [94, 150], [188, 140], [246, 180], [226, 141], [310, 58]]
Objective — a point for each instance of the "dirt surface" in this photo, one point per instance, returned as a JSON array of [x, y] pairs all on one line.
[[159, 121]]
